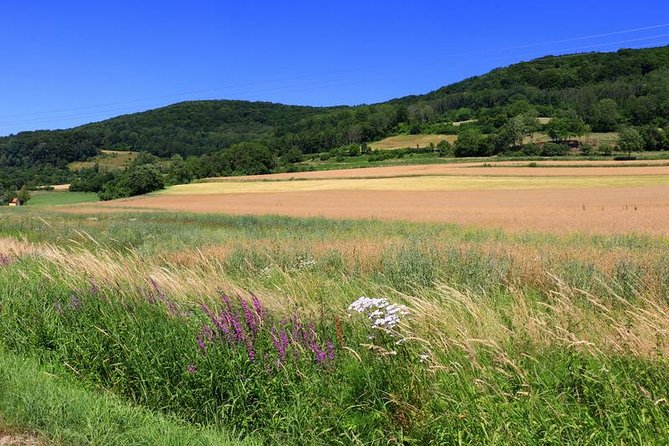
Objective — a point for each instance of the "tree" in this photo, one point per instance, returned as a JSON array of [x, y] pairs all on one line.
[[23, 195], [605, 116], [179, 171], [470, 142], [629, 140], [567, 125], [521, 126]]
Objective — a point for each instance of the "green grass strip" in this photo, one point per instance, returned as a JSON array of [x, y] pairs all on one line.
[[65, 413]]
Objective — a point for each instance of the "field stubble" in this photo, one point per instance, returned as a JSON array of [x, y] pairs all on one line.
[[609, 199]]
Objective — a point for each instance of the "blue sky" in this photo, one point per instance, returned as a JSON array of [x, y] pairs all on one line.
[[67, 63]]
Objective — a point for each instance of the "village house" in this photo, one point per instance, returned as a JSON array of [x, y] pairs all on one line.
[[15, 202]]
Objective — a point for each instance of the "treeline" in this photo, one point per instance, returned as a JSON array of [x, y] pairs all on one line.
[[599, 92], [148, 173]]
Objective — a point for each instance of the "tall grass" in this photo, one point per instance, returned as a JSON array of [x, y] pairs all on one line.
[[526, 339], [45, 400]]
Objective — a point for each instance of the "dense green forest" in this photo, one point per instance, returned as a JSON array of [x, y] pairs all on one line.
[[601, 92]]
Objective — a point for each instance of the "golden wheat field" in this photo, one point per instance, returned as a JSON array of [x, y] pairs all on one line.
[[607, 199]]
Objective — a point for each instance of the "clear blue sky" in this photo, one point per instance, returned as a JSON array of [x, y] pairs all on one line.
[[66, 63]]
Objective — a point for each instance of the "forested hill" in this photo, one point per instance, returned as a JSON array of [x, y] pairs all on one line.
[[602, 90]]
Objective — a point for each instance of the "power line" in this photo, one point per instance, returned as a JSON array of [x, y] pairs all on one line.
[[34, 117], [306, 76]]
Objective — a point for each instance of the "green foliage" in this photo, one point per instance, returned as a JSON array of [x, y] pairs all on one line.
[[248, 158], [602, 90], [566, 125], [554, 149], [44, 399], [106, 357], [470, 142], [23, 195], [92, 180], [654, 138], [629, 140], [605, 116], [135, 180]]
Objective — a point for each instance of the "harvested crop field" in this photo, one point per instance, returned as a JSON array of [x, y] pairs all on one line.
[[502, 168], [600, 200], [603, 210]]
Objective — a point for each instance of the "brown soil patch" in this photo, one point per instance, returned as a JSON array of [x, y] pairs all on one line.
[[504, 168], [20, 440], [601, 210]]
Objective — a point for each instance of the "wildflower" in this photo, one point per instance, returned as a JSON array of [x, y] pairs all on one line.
[[306, 262], [171, 307], [191, 368], [94, 288], [207, 333], [201, 344], [75, 302], [249, 349], [279, 345], [423, 357], [156, 288], [249, 317], [236, 327], [260, 311], [331, 352], [380, 312], [319, 354]]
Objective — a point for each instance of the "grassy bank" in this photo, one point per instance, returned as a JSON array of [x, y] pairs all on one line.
[[244, 323], [44, 399]]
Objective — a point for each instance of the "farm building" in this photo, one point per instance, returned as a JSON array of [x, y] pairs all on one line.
[[15, 202]]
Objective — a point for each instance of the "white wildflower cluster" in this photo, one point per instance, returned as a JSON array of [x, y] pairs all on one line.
[[306, 262], [380, 312]]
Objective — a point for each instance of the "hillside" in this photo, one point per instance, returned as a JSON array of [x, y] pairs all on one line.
[[599, 90]]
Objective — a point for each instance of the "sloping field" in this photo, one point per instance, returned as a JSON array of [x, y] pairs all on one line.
[[500, 168], [411, 141], [108, 159], [602, 200], [417, 183]]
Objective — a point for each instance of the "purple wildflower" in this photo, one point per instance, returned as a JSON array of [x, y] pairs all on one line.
[[237, 327], [319, 354], [192, 368], [150, 298], [207, 333], [201, 344], [249, 317], [5, 259], [226, 299], [75, 302], [208, 312], [156, 288], [284, 339], [260, 311], [94, 288], [171, 307], [223, 323], [249, 349], [279, 344], [330, 348]]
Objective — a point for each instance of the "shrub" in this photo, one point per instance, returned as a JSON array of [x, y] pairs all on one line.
[[554, 149]]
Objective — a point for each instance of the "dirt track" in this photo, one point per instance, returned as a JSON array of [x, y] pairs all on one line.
[[602, 211]]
